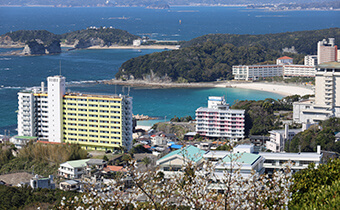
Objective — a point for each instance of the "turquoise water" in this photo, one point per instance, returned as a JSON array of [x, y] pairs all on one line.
[[83, 65]]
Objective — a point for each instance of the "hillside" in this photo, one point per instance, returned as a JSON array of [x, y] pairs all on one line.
[[212, 56]]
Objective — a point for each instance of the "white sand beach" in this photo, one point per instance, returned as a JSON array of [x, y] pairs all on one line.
[[142, 47], [282, 89]]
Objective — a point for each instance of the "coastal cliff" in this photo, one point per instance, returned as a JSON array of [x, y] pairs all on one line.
[[37, 47]]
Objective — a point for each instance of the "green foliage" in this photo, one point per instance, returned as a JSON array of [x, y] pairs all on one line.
[[259, 115], [225, 147], [309, 139], [208, 62], [43, 159], [303, 41], [139, 149], [212, 56], [29, 35], [182, 119], [110, 36], [20, 198], [317, 188], [105, 158]]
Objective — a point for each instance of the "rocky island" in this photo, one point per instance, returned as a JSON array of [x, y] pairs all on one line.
[[40, 42]]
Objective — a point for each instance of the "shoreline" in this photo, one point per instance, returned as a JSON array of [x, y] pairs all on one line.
[[278, 88]]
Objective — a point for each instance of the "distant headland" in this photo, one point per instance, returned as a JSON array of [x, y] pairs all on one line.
[[41, 42]]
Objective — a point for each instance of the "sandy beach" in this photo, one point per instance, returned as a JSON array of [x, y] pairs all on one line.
[[142, 47], [280, 88]]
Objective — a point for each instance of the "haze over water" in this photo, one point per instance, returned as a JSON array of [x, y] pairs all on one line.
[[84, 65]]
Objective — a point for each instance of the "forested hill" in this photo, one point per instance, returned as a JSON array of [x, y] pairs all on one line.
[[211, 57], [303, 41], [86, 37]]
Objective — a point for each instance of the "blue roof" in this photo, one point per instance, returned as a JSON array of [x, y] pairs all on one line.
[[192, 153], [176, 146]]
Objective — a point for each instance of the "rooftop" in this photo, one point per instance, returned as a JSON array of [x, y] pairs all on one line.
[[246, 158], [190, 152], [291, 156], [284, 58], [77, 163], [329, 65]]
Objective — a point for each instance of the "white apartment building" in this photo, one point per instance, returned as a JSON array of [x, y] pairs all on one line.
[[294, 70], [93, 121], [284, 67], [327, 51], [278, 138], [327, 96], [253, 72], [311, 60], [219, 121], [274, 161]]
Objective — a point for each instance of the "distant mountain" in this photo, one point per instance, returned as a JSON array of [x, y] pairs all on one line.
[[163, 4]]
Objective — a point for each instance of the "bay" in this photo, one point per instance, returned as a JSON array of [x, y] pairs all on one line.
[[177, 23]]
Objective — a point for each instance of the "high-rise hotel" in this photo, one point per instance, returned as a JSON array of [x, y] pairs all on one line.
[[219, 121], [98, 122]]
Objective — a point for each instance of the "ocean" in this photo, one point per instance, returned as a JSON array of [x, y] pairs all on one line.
[[178, 23]]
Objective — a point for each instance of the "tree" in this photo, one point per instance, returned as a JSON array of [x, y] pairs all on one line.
[[146, 161]]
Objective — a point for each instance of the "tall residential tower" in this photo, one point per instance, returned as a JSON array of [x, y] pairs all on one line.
[[94, 121]]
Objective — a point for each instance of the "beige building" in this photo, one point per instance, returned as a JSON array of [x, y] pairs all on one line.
[[327, 51], [327, 96]]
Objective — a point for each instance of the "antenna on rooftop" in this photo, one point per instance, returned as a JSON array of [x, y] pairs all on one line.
[[60, 67], [128, 90]]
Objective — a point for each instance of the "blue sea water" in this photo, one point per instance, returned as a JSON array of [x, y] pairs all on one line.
[[84, 65]]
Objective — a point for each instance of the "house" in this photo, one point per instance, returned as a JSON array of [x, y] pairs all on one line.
[[109, 169], [96, 163], [72, 169], [41, 182], [173, 162], [69, 185]]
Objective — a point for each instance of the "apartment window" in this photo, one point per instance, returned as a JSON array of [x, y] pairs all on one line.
[[93, 120], [114, 132], [93, 141], [104, 137], [104, 121], [115, 117], [104, 111], [104, 142], [114, 137], [94, 136], [117, 102], [115, 107], [115, 112], [93, 115], [93, 100], [104, 126], [93, 110], [115, 122], [93, 105], [104, 101], [82, 110], [105, 106], [93, 131], [104, 116], [104, 131]]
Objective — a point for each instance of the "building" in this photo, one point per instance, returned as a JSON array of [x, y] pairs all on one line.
[[311, 60], [278, 138], [21, 141], [327, 96], [73, 169], [39, 182], [69, 185], [327, 51], [253, 72], [275, 161], [284, 67], [294, 70], [98, 122], [284, 60], [219, 121], [173, 162]]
